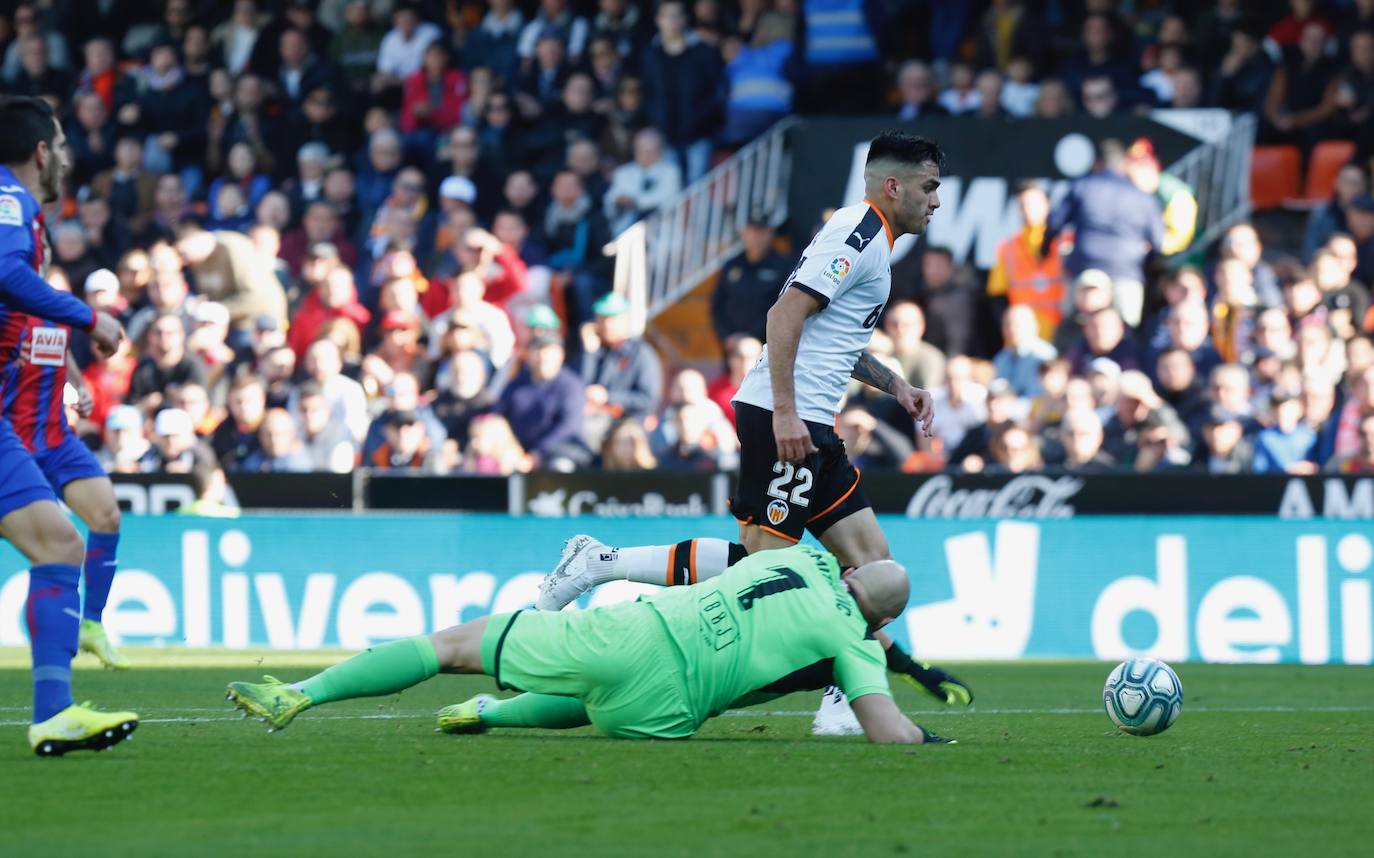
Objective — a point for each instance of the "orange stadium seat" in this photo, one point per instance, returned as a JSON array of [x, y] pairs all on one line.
[[1328, 157], [1274, 174]]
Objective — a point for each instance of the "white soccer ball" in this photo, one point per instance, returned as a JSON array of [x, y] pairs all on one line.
[[1143, 696]]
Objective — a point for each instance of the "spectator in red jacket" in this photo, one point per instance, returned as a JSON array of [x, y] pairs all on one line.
[[1288, 31], [336, 296], [434, 96], [741, 353], [497, 263]]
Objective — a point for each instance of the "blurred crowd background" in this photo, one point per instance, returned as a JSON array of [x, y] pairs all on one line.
[[369, 233]]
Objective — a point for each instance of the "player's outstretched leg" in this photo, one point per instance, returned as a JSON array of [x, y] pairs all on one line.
[[587, 563], [544, 711], [384, 669]]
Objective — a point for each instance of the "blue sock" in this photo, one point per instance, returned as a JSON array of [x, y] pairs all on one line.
[[100, 572], [54, 624]]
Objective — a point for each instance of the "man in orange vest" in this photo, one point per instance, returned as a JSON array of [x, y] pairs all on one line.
[[1022, 275]]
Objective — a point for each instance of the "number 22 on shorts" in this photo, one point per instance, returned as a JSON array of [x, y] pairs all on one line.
[[800, 481]]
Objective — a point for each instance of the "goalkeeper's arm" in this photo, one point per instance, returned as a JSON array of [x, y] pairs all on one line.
[[884, 722]]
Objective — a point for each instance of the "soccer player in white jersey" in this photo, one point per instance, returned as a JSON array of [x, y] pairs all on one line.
[[794, 473]]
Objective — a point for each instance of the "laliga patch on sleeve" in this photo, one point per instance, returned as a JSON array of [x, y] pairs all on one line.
[[838, 269], [11, 210]]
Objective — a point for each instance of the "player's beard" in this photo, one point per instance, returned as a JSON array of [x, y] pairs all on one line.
[[50, 181], [916, 218]]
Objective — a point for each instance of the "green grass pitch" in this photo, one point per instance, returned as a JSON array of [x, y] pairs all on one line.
[[1264, 761]]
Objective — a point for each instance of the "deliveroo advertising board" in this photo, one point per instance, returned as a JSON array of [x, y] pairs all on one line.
[[1221, 589]]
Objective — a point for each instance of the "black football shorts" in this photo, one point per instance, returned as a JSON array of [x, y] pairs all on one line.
[[786, 499]]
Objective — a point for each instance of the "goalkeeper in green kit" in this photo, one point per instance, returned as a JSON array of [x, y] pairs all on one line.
[[774, 623]]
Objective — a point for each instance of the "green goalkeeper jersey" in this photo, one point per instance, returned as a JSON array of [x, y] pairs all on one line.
[[776, 622]]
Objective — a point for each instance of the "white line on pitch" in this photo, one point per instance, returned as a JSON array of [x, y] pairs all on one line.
[[241, 718], [750, 713], [744, 713]]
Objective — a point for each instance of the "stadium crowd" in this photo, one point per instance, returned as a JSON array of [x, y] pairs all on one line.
[[348, 233]]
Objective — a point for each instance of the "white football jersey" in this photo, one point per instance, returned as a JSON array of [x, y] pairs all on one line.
[[847, 268]]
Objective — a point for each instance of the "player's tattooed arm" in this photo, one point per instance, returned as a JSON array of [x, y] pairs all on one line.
[[870, 371], [915, 401]]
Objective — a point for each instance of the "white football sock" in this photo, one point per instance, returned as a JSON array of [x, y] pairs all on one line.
[[686, 562]]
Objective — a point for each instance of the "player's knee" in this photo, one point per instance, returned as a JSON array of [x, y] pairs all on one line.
[[105, 519], [459, 648], [58, 543]]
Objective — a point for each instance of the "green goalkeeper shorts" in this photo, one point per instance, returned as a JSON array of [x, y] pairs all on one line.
[[618, 660]]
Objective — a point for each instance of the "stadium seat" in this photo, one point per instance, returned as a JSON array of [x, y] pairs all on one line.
[[1328, 157], [1274, 174]]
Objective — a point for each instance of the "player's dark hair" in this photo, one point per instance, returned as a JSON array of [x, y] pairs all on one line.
[[905, 149], [27, 121]]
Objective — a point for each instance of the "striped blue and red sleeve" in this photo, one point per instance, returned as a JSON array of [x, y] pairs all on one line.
[[21, 287]]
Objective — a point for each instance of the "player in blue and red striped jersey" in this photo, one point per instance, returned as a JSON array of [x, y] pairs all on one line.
[[31, 400], [33, 159]]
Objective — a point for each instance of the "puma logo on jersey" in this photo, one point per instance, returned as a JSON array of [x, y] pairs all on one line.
[[867, 229]]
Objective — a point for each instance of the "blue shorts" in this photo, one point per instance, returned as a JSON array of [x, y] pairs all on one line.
[[21, 480], [68, 461]]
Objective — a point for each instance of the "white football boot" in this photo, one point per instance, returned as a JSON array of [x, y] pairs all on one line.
[[835, 718], [573, 575]]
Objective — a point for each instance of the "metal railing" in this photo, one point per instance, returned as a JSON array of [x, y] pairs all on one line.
[[661, 258], [664, 256], [1219, 174]]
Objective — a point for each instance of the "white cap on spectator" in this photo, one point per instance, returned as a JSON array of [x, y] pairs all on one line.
[[102, 280], [212, 312], [173, 421], [69, 394], [124, 417], [458, 188], [1105, 366]]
